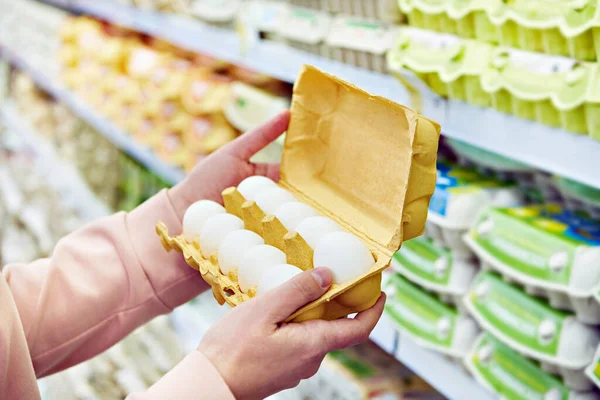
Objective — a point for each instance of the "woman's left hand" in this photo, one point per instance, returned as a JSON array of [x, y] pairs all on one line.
[[229, 166]]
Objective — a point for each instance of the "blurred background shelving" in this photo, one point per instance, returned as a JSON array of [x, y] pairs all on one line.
[[111, 101]]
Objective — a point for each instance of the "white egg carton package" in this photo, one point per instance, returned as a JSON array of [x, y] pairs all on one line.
[[560, 342], [436, 269], [547, 250]]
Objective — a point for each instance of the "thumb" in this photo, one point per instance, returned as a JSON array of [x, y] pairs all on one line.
[[284, 300]]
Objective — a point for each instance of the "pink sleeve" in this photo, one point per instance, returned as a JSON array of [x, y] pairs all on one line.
[[101, 283], [194, 378]]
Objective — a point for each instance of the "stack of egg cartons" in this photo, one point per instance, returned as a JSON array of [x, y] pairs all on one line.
[[536, 294], [355, 32], [435, 272], [531, 250], [491, 54]]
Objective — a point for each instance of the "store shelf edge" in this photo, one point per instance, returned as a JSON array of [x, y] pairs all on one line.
[[554, 150], [144, 156]]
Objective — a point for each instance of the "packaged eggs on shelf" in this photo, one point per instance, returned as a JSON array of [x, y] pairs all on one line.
[[356, 178], [507, 373], [430, 322], [306, 30], [460, 195], [564, 345], [359, 42], [451, 66], [436, 269], [552, 252], [556, 91]]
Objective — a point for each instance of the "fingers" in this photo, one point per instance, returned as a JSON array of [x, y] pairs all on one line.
[[270, 170], [346, 332], [255, 140], [283, 301]]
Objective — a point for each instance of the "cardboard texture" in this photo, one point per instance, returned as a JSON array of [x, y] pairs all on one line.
[[364, 161]]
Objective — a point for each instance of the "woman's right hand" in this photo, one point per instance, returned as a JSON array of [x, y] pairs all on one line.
[[258, 355]]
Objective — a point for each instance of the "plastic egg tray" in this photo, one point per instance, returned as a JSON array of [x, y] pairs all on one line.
[[555, 256], [383, 10], [563, 345], [567, 28], [435, 269], [361, 160], [427, 320], [501, 370]]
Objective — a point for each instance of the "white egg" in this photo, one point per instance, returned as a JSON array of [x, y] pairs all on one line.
[[345, 255], [313, 229], [196, 216], [255, 261], [292, 214], [234, 246], [271, 199], [277, 275], [254, 185], [215, 230]]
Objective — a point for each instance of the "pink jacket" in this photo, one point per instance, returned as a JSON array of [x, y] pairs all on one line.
[[101, 283]]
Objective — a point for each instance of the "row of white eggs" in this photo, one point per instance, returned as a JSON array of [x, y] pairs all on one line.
[[264, 266]]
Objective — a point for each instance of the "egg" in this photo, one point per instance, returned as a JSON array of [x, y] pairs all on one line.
[[234, 246], [345, 255], [277, 275], [255, 261], [313, 229], [196, 216], [292, 214], [254, 185], [271, 199], [214, 232]]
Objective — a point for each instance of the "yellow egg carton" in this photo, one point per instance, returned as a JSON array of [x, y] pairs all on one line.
[[364, 161]]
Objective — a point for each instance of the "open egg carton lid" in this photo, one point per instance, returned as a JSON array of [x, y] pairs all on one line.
[[365, 162]]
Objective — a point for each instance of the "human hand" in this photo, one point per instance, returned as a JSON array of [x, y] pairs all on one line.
[[229, 166], [258, 355]]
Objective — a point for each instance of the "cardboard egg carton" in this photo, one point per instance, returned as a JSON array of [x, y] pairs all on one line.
[[364, 161]]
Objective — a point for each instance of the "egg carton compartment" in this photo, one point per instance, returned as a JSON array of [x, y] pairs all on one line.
[[533, 328], [318, 176], [427, 320], [513, 242], [449, 239], [494, 364]]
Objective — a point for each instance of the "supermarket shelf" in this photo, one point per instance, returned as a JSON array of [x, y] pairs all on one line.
[[60, 174], [444, 375], [550, 149], [112, 133]]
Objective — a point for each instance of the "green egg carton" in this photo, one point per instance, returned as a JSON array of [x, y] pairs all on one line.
[[556, 91], [448, 16], [566, 27], [451, 66]]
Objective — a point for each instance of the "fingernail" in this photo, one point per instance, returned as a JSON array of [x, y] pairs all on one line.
[[323, 277]]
